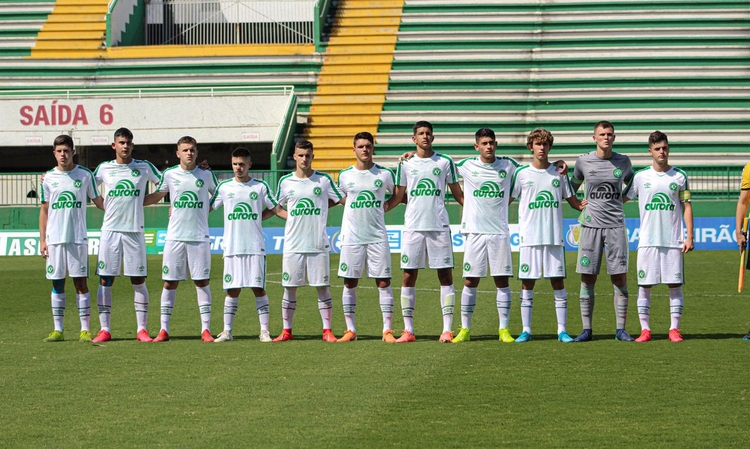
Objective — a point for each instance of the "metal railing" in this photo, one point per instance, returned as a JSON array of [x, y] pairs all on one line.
[[210, 22]]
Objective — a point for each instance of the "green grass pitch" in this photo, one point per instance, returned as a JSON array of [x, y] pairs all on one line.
[[307, 393]]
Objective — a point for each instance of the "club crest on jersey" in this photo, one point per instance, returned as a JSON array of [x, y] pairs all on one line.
[[673, 186], [188, 200], [77, 184], [502, 174], [378, 183], [489, 189], [317, 191], [135, 173], [124, 188], [605, 191], [436, 171], [305, 206], [544, 200], [555, 183], [253, 195], [199, 183], [425, 187], [366, 200], [660, 201], [67, 200], [242, 211], [617, 173]]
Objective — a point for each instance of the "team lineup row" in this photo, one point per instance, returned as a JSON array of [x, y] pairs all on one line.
[[422, 179]]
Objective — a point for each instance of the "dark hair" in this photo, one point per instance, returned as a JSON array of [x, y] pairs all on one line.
[[657, 136], [604, 124], [124, 132], [241, 152], [187, 139], [421, 124], [363, 135], [304, 145], [63, 139], [484, 132]]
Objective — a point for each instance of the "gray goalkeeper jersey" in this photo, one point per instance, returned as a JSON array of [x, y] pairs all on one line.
[[605, 181]]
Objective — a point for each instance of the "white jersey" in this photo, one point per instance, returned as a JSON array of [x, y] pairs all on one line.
[[364, 217], [486, 193], [426, 180], [306, 200], [190, 192], [660, 196], [244, 203], [540, 195], [125, 187], [67, 193]]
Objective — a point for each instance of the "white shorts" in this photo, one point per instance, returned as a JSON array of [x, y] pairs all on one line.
[[660, 265], [178, 256], [542, 260], [417, 246], [483, 248], [295, 267], [116, 246], [377, 257], [245, 271], [72, 258]]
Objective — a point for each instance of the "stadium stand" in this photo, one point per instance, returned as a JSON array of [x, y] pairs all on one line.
[[20, 21], [680, 67]]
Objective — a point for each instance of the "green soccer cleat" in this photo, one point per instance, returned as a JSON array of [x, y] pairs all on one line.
[[54, 336], [463, 335], [85, 337], [505, 336]]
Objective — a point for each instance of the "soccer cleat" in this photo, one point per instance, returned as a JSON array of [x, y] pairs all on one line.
[[644, 337], [524, 337], [206, 336], [328, 336], [85, 337], [585, 335], [163, 336], [564, 337], [388, 337], [622, 335], [674, 335], [446, 337], [746, 337], [505, 336], [285, 335], [54, 336], [463, 335], [349, 335], [143, 336], [406, 337], [265, 337], [224, 336], [102, 336]]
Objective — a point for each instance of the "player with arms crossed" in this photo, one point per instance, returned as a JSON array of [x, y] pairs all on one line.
[[540, 189], [363, 237], [62, 233], [122, 242], [603, 227], [244, 200], [187, 243], [423, 180], [664, 199], [307, 194]]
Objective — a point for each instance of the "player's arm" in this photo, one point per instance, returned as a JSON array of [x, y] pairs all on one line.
[[562, 167], [458, 194], [153, 198], [399, 193], [43, 216], [575, 203], [740, 215], [687, 215], [98, 202], [277, 211]]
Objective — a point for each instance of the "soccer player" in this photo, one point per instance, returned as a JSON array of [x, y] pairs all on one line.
[[603, 227], [422, 180], [663, 194], [122, 241], [187, 243], [62, 233], [307, 194], [244, 200], [540, 189], [363, 235], [741, 213]]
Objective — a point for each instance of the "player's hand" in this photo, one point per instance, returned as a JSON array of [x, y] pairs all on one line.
[[169, 213], [204, 165], [44, 249], [42, 178], [584, 203], [562, 167], [406, 156], [688, 245]]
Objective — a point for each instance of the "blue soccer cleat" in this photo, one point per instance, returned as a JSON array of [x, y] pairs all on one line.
[[585, 335], [622, 335], [564, 337], [524, 337]]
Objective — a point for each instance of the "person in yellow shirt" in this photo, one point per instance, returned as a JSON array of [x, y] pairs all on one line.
[[742, 203]]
